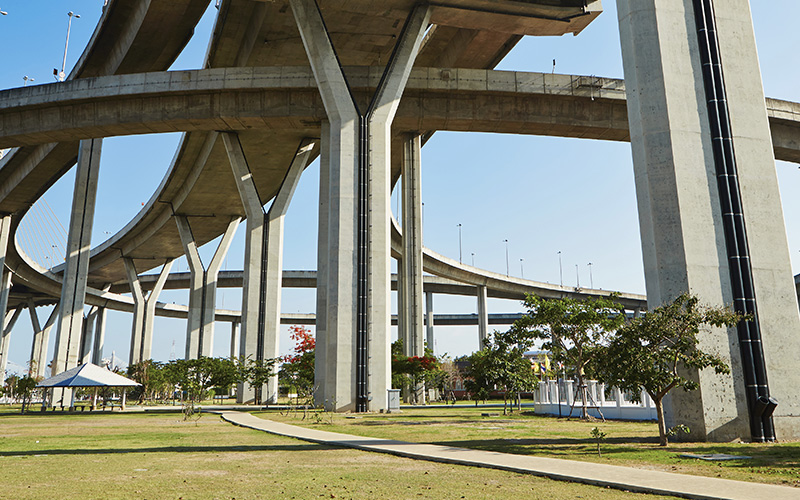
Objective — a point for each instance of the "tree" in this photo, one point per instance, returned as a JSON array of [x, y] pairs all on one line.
[[424, 371], [575, 331], [197, 376], [501, 364], [652, 351], [24, 389], [298, 368], [257, 373], [151, 375]]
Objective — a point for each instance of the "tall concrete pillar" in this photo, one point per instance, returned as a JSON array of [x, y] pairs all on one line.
[[483, 316], [87, 335], [402, 329], [321, 379], [358, 219], [412, 245], [144, 310], [41, 339], [5, 339], [261, 293], [73, 290], [5, 289], [429, 337], [203, 288], [234, 339], [678, 155], [99, 337]]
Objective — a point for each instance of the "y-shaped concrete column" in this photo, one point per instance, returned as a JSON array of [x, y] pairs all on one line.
[[5, 339], [144, 311], [483, 316], [41, 338], [698, 127], [411, 268], [261, 292], [203, 291], [73, 290], [358, 288]]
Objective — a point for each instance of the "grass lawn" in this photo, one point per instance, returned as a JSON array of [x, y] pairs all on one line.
[[159, 456], [632, 444]]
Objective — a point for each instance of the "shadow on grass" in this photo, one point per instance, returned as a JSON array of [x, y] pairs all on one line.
[[563, 447], [771, 456], [170, 449]]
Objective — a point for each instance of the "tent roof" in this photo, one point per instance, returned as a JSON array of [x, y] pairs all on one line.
[[87, 375]]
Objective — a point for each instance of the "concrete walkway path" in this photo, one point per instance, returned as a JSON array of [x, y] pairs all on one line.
[[624, 478]]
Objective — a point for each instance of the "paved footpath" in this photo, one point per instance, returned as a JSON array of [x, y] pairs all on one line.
[[624, 478]]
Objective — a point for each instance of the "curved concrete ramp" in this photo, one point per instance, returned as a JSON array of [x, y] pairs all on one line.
[[613, 476]]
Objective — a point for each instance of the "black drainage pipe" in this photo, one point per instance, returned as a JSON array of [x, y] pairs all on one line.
[[744, 298]]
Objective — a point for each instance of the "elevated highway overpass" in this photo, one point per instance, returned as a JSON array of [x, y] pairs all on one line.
[[280, 86]]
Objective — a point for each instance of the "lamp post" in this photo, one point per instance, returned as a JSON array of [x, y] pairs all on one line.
[[27, 79], [62, 75], [577, 277], [560, 269], [507, 271], [459, 243], [521, 269], [473, 259], [591, 280]]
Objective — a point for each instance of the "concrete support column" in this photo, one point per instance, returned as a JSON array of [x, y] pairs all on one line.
[[234, 339], [261, 295], [5, 339], [203, 288], [73, 290], [144, 311], [88, 335], [41, 339], [402, 329], [346, 168], [681, 218], [429, 337], [5, 289], [483, 316], [321, 380], [411, 268], [99, 337]]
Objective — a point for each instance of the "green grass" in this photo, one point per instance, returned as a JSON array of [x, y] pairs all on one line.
[[633, 444], [158, 456]]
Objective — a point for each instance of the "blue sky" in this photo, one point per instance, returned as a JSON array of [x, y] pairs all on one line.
[[544, 195]]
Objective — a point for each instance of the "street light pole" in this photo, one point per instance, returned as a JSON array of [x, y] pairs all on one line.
[[577, 277], [521, 269], [507, 271], [473, 259], [26, 79], [62, 75], [560, 269], [591, 280], [459, 243]]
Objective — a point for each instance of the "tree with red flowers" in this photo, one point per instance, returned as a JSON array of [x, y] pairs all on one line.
[[298, 367]]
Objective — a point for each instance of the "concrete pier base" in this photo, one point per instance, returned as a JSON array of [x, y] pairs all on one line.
[[680, 214]]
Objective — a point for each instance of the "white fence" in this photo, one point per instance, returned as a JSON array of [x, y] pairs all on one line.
[[558, 397]]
